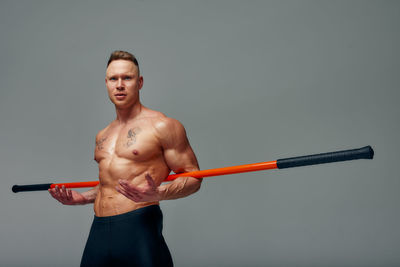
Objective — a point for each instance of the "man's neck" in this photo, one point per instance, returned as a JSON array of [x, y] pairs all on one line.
[[125, 115]]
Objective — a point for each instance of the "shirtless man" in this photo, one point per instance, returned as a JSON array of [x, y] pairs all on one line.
[[135, 153]]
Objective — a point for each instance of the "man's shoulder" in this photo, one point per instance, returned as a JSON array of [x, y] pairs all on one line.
[[169, 131], [161, 122], [102, 132], [167, 124], [153, 115]]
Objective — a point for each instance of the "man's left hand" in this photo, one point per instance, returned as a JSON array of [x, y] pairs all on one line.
[[147, 193]]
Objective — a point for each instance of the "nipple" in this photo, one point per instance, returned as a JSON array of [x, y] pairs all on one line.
[[135, 152]]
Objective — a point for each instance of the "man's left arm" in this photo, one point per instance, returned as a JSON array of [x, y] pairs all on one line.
[[180, 158]]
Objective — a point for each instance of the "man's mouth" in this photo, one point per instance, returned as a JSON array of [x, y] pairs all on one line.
[[120, 96]]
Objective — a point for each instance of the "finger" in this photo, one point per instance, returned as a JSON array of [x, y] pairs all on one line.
[[124, 184], [133, 195], [121, 190], [121, 181], [52, 193], [130, 188], [55, 195], [130, 195], [63, 196], [64, 192], [57, 191], [69, 194], [150, 180]]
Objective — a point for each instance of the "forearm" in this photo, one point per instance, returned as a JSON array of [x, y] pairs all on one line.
[[91, 195], [179, 188]]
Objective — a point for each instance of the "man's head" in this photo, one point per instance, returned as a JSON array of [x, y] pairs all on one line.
[[118, 54], [123, 79]]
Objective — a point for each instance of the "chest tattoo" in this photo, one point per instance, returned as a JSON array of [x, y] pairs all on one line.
[[132, 133], [99, 143]]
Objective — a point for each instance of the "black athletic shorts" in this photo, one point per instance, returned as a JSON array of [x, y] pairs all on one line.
[[130, 239]]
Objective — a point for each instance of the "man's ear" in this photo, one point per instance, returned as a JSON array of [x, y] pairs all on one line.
[[140, 82]]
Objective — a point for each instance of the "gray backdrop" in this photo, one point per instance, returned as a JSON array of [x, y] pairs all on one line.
[[251, 81]]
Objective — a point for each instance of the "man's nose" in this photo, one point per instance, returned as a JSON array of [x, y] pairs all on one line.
[[120, 85]]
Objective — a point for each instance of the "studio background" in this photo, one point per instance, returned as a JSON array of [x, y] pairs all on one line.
[[251, 81]]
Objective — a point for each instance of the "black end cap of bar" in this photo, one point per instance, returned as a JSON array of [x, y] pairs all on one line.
[[361, 153], [30, 187], [370, 152]]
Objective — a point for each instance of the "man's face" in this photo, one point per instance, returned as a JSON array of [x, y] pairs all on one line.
[[123, 83]]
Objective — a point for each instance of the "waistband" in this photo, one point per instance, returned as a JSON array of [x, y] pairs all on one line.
[[130, 214]]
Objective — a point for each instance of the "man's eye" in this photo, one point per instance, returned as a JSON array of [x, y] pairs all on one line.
[[128, 78], [113, 79]]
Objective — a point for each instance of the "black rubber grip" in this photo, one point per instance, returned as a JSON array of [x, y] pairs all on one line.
[[361, 153], [31, 187]]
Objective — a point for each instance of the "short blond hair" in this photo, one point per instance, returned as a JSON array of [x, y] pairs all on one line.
[[119, 54]]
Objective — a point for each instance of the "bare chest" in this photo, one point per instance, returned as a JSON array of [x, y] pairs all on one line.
[[135, 143]]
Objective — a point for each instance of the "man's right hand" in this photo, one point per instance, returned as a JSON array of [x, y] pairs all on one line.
[[67, 196]]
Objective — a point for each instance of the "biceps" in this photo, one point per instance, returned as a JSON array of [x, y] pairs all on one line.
[[181, 161]]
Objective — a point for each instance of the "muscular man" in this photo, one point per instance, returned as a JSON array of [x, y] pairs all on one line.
[[135, 153]]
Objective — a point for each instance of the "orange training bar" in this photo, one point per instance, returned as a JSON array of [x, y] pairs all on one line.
[[352, 154], [196, 174], [226, 170]]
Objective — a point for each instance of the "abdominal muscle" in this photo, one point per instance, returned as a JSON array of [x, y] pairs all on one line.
[[109, 201]]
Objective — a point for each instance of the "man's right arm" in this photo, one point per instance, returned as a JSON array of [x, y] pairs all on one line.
[[70, 197]]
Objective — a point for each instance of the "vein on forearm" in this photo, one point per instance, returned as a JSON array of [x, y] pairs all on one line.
[[181, 187], [91, 194]]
